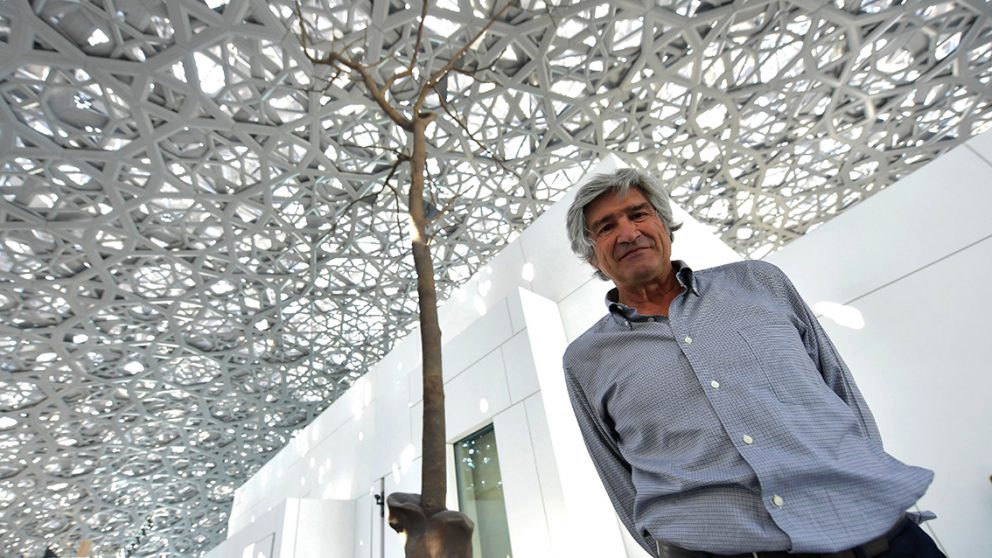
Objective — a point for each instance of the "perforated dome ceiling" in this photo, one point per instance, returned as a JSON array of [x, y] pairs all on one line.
[[199, 250]]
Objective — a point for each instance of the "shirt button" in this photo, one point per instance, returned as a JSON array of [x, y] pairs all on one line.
[[688, 340], [778, 501], [748, 440], [715, 384]]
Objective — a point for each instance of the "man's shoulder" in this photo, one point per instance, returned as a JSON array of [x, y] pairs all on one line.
[[743, 271], [742, 266], [582, 344]]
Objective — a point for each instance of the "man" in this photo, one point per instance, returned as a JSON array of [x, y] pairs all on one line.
[[720, 417]]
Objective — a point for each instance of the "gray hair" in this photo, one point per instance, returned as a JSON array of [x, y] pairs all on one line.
[[620, 181]]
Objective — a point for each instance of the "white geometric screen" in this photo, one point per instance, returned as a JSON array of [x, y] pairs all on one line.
[[199, 249]]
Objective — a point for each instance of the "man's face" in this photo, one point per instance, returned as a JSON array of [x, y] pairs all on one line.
[[631, 245]]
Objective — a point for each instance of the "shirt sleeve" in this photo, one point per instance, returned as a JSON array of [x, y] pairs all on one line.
[[835, 372], [613, 469]]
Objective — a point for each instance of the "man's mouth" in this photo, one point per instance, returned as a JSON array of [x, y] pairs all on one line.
[[633, 250], [629, 252]]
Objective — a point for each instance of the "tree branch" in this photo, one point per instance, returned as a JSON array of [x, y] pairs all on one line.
[[444, 210], [399, 209], [337, 59], [398, 152], [471, 135], [416, 49], [437, 76], [350, 204], [420, 34]]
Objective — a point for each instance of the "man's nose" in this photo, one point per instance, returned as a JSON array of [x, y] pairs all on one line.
[[627, 230]]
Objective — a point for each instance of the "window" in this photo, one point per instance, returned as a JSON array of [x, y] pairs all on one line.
[[480, 493]]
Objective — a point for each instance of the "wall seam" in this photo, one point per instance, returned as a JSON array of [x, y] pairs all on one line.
[[919, 269], [979, 154], [537, 468]]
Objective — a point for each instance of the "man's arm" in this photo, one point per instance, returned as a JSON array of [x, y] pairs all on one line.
[[613, 470], [835, 372]]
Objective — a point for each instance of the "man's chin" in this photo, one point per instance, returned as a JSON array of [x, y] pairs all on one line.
[[641, 273], [643, 270], [639, 259]]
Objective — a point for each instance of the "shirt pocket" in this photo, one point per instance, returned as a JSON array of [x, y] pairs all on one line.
[[780, 355]]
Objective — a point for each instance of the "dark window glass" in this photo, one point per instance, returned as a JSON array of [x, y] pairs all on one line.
[[480, 493]]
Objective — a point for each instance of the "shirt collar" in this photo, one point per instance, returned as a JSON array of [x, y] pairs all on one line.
[[685, 277]]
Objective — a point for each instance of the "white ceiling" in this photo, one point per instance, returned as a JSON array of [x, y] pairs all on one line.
[[199, 250]]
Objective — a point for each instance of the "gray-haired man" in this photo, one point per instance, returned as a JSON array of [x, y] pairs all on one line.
[[720, 417]]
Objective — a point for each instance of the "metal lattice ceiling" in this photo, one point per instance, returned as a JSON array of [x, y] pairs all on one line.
[[199, 251]]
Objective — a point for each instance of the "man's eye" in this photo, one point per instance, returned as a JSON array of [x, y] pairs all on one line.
[[639, 215], [604, 229]]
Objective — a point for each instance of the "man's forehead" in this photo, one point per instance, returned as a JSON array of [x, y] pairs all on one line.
[[632, 198], [622, 194]]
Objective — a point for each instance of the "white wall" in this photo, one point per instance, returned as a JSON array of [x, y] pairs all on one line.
[[294, 527], [916, 261]]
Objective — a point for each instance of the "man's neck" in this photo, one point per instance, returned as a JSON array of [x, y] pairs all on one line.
[[651, 299]]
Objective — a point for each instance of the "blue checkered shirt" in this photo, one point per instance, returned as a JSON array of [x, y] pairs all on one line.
[[733, 425]]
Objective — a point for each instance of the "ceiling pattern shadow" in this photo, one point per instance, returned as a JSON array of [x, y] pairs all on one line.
[[200, 249]]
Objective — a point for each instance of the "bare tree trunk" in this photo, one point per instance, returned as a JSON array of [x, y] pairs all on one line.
[[434, 462], [431, 530]]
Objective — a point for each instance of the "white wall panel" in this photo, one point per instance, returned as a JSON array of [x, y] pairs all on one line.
[[484, 335], [521, 376], [343, 411], [336, 457], [922, 363], [393, 439], [935, 211], [416, 414], [583, 306], [552, 491], [488, 287], [333, 523], [696, 244], [517, 322], [364, 536], [258, 526], [394, 370], [416, 380], [982, 146], [588, 524], [473, 397], [522, 490], [560, 271], [299, 528]]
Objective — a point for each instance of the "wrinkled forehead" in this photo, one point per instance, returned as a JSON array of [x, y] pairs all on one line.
[[620, 192], [616, 199]]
